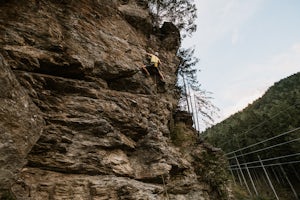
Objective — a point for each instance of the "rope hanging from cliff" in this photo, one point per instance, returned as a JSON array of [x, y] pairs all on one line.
[[165, 188]]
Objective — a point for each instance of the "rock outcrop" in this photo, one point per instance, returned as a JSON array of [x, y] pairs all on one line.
[[79, 119]]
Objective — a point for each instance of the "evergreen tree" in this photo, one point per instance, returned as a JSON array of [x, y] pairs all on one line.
[[186, 67], [197, 101], [181, 12]]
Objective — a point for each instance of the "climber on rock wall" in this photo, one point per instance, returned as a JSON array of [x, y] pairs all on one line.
[[153, 62]]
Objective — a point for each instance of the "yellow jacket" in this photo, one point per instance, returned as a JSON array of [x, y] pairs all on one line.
[[154, 60]]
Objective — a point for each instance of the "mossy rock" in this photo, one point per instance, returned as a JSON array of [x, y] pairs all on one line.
[[6, 195], [182, 136]]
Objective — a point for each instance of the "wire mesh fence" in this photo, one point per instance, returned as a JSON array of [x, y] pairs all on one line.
[[256, 166]]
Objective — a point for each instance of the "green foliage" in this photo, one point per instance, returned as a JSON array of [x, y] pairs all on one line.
[[186, 67], [182, 136], [187, 80], [6, 195], [242, 194], [211, 167], [277, 111]]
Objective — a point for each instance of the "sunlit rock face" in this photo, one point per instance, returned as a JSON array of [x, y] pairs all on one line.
[[79, 119]]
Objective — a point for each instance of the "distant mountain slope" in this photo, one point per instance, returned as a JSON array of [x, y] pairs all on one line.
[[277, 111]]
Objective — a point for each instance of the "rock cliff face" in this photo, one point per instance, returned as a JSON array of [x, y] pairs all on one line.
[[79, 119]]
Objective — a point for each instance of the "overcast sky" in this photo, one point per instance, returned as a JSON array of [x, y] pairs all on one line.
[[244, 47]]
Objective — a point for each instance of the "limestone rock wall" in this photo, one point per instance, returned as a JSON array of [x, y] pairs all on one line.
[[79, 120]]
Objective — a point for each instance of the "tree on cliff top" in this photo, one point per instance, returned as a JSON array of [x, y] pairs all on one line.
[[193, 97], [180, 12]]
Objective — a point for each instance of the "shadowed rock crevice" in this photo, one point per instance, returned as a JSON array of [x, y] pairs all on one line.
[[130, 84], [55, 66], [70, 70]]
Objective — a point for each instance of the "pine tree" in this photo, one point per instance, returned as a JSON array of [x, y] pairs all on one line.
[[197, 98], [181, 12]]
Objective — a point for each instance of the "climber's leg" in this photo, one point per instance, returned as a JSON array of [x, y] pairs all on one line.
[[145, 70]]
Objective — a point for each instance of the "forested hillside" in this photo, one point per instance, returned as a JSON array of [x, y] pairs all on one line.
[[277, 111], [262, 142]]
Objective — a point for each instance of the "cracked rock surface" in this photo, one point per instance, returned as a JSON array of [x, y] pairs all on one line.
[[79, 119]]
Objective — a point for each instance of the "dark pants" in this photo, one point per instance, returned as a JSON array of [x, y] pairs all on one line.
[[151, 69]]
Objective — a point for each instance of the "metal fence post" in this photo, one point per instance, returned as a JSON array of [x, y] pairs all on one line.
[[238, 173], [253, 185], [233, 178], [242, 175], [276, 177], [270, 182], [258, 182], [288, 180], [281, 177], [296, 173]]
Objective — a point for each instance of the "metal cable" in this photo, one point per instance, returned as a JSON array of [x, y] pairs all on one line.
[[269, 165], [252, 145], [255, 151], [268, 159]]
